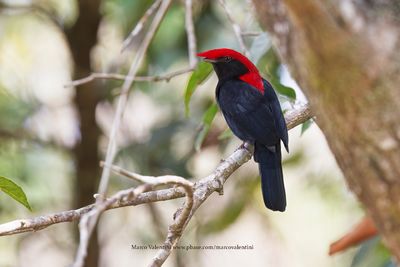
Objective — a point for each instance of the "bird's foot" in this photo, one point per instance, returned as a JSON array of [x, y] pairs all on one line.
[[248, 146]]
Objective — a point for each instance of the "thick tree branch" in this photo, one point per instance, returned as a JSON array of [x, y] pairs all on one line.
[[352, 83], [196, 194], [41, 222]]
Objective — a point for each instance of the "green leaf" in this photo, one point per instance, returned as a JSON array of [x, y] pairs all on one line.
[[201, 73], [14, 191], [305, 126], [283, 90], [209, 115], [208, 118]]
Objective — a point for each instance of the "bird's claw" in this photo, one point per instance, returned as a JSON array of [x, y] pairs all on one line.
[[246, 145]]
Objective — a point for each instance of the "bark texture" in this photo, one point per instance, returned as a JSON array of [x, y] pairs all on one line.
[[346, 56], [82, 37]]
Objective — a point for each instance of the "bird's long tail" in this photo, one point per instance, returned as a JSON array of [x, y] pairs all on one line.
[[270, 166]]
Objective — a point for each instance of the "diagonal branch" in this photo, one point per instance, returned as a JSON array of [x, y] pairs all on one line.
[[42, 222], [124, 93], [202, 188], [140, 25]]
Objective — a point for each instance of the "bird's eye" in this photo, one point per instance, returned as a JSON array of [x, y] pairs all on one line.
[[227, 59]]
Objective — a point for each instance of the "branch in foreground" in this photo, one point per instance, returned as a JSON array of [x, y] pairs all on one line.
[[116, 76], [293, 118], [135, 196]]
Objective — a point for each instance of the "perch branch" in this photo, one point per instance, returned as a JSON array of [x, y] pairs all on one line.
[[201, 190], [293, 118]]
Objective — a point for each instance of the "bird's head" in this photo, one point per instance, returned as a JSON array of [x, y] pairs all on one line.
[[230, 64]]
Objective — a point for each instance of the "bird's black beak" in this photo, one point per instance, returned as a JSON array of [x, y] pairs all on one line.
[[209, 60]]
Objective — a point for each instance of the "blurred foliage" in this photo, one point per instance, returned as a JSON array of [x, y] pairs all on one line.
[[306, 125], [227, 133], [228, 214], [155, 157], [15, 110], [372, 253]]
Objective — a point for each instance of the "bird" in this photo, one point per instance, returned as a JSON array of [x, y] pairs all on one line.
[[252, 111]]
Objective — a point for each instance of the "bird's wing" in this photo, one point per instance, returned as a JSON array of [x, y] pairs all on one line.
[[279, 119], [248, 112]]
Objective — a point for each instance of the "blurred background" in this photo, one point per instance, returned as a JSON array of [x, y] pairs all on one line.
[[52, 138]]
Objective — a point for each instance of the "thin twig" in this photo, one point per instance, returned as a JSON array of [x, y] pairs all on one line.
[[124, 93], [162, 180], [251, 34], [140, 25], [152, 180], [191, 36], [236, 28], [88, 221], [116, 76]]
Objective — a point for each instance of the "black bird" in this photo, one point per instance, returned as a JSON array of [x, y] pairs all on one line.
[[252, 111]]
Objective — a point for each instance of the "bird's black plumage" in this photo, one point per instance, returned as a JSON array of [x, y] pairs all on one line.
[[254, 115]]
